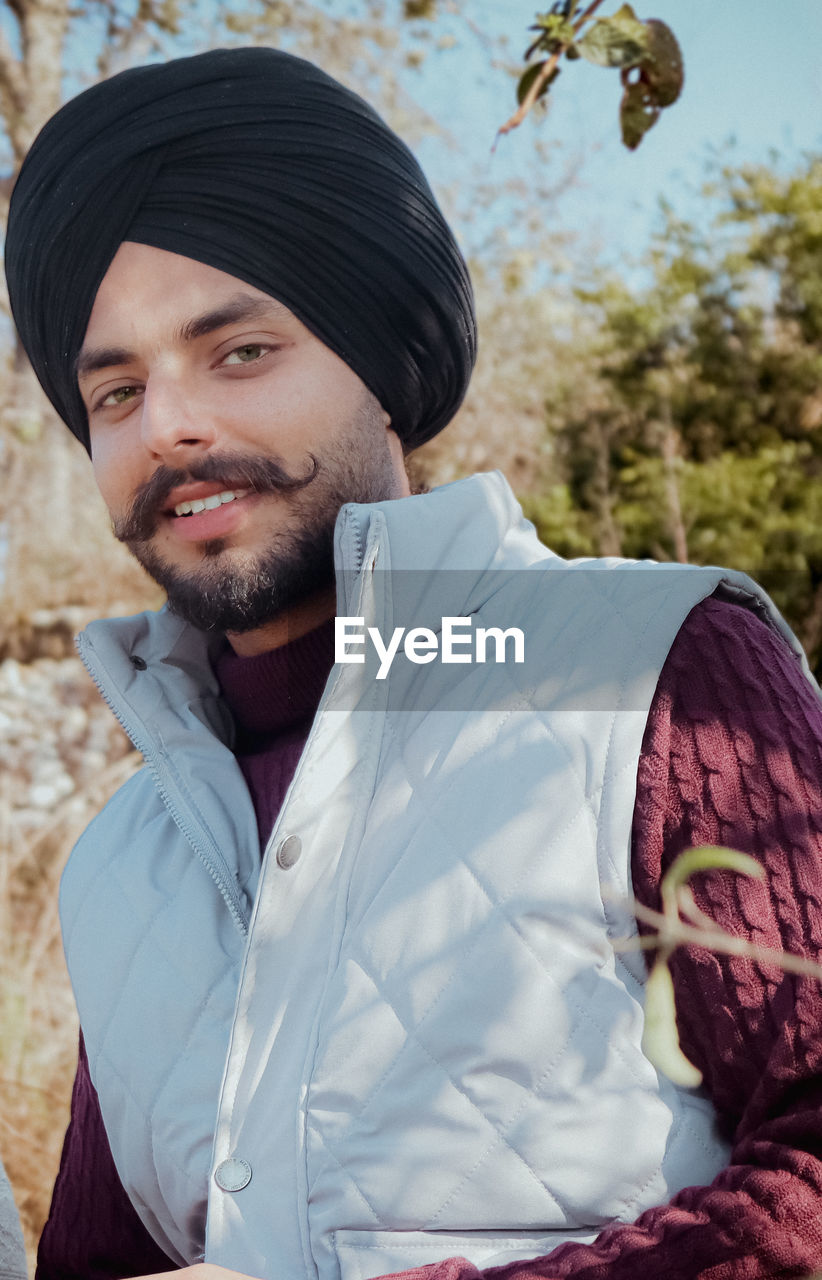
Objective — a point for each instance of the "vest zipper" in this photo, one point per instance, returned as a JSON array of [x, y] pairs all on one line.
[[352, 543], [228, 892]]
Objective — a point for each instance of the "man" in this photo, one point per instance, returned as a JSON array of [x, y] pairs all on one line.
[[403, 1036]]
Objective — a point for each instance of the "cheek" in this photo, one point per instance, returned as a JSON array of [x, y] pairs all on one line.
[[318, 394], [270, 416], [111, 472]]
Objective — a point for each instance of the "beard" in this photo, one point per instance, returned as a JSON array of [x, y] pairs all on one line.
[[235, 590]]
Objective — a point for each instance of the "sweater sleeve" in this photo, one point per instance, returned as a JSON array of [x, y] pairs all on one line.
[[732, 755], [93, 1231]]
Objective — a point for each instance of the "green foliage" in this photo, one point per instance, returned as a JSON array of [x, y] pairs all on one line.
[[554, 31], [618, 41], [697, 431], [646, 53], [562, 525], [531, 77]]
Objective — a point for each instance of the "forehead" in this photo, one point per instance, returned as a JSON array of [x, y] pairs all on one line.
[[146, 288]]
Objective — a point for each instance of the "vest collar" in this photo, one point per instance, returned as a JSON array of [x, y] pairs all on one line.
[[459, 527]]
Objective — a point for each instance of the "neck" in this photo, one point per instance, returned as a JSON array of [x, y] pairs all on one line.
[[304, 617]]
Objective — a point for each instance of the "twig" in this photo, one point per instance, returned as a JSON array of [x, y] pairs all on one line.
[[544, 76], [674, 934]]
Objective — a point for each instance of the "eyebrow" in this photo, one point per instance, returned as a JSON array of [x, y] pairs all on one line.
[[243, 306]]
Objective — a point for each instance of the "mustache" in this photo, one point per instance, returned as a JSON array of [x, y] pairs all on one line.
[[230, 470]]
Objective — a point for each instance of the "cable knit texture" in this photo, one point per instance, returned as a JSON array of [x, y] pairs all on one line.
[[732, 755]]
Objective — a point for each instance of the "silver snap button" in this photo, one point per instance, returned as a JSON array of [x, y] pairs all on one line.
[[233, 1174], [289, 852]]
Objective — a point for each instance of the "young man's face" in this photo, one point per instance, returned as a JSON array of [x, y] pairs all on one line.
[[203, 390]]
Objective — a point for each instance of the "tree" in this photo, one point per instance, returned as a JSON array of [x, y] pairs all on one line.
[[697, 431]]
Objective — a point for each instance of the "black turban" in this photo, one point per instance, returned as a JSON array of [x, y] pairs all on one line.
[[259, 164]]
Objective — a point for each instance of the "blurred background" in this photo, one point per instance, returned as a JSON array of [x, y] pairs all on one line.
[[650, 372]]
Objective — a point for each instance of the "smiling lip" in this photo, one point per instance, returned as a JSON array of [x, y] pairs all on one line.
[[205, 492], [217, 520]]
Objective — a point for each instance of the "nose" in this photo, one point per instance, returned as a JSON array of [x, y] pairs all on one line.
[[176, 425]]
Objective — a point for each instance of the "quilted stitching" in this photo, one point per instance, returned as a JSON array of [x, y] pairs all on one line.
[[583, 1015], [416, 1034], [499, 1135], [202, 999]]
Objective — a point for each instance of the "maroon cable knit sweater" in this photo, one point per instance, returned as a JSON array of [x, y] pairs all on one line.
[[732, 755]]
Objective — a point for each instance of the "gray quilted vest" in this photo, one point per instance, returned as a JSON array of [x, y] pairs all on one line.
[[407, 1035]]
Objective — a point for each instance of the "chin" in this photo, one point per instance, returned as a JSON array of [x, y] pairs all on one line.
[[240, 592]]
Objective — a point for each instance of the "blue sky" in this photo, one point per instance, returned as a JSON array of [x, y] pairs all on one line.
[[753, 73]]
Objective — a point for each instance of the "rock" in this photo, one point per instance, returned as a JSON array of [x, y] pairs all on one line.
[[57, 739]]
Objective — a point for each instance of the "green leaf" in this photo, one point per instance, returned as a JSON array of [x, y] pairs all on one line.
[[554, 24], [554, 32], [619, 41], [660, 1039], [528, 77]]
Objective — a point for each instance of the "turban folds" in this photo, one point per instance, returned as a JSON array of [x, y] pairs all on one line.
[[257, 163]]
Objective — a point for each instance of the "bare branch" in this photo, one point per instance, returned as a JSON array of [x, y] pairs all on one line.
[[12, 76], [671, 934], [17, 7]]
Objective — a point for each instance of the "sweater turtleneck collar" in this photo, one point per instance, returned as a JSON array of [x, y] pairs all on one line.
[[272, 691]]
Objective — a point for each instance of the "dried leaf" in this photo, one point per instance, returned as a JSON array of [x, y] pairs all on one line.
[[637, 114], [651, 84], [665, 71]]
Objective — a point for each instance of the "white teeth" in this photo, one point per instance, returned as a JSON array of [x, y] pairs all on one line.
[[196, 505]]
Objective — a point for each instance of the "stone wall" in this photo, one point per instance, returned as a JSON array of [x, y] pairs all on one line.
[[58, 742]]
